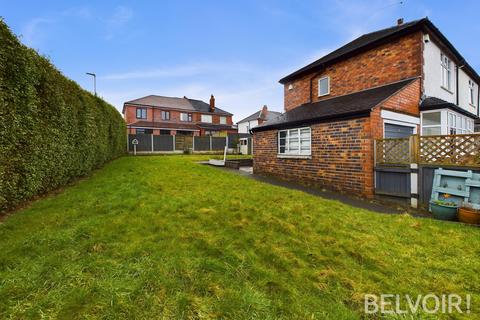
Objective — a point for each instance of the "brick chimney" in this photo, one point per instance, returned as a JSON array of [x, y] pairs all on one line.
[[264, 112], [212, 103], [400, 22]]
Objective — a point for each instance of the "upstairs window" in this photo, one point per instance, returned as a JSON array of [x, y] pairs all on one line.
[[323, 86], [206, 118], [186, 117], [295, 142], [223, 120], [141, 113], [446, 65], [471, 92], [165, 115]]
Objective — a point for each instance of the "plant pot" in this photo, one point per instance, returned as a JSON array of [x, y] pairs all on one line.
[[442, 212], [467, 215]]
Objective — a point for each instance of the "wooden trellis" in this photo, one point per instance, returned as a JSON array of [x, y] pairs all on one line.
[[393, 151], [457, 150]]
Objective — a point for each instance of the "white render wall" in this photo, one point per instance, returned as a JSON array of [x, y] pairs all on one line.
[[464, 93], [243, 127], [433, 79]]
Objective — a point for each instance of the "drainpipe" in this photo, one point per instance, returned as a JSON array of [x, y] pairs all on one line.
[[456, 82], [478, 102]]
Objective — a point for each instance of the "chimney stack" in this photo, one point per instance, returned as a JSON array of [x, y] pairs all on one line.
[[264, 111], [212, 103], [400, 22]]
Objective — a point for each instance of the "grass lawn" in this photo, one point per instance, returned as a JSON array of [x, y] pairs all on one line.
[[163, 237]]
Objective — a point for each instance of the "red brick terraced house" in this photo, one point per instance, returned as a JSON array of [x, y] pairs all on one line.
[[159, 115], [395, 82]]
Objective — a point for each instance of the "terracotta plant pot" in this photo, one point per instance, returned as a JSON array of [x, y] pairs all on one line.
[[442, 212], [467, 215]]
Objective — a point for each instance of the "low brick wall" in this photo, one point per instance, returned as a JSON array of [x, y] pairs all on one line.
[[342, 157]]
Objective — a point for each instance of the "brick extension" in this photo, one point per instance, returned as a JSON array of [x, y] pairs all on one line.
[[342, 150]]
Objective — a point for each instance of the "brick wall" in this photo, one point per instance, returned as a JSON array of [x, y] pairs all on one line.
[[341, 157], [342, 150], [394, 61], [405, 101], [130, 115]]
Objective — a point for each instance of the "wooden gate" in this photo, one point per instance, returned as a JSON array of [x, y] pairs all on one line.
[[183, 142]]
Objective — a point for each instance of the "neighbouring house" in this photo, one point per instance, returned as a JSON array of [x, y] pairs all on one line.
[[391, 83], [250, 122], [256, 119], [159, 115]]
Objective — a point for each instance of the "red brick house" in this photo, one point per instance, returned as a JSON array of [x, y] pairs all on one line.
[[161, 115], [395, 82]]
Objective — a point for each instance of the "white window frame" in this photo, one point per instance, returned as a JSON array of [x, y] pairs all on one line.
[[185, 117], [223, 120], [471, 91], [328, 86], [446, 71], [203, 118], [440, 125], [296, 153]]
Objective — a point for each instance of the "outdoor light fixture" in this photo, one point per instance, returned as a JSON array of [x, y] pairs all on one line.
[[94, 81]]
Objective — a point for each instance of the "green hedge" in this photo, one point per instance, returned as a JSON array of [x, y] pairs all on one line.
[[51, 130]]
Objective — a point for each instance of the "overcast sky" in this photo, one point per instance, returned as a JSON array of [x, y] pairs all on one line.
[[236, 50]]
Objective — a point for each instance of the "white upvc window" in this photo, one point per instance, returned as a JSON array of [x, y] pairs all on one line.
[[431, 123], [185, 116], [206, 118], [223, 120], [446, 65], [295, 142], [459, 124], [323, 86], [471, 92]]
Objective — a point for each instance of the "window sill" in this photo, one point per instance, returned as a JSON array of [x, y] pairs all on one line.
[[324, 95], [294, 156], [448, 90]]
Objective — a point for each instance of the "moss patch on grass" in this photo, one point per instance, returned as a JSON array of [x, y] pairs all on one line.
[[165, 237]]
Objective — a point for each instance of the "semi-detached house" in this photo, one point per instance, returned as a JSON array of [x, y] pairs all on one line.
[[391, 83]]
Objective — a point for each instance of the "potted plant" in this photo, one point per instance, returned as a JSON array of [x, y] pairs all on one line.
[[467, 214], [444, 209]]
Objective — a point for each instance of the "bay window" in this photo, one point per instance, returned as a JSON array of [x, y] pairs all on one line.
[[431, 123], [444, 122], [295, 142]]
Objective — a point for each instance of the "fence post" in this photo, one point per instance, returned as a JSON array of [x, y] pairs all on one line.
[[226, 141], [210, 143], [414, 157], [152, 142], [193, 143], [173, 139]]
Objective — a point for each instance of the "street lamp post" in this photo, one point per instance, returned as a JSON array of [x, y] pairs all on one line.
[[94, 81]]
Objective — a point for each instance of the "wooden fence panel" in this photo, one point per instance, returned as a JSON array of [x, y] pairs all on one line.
[[392, 151], [459, 150]]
